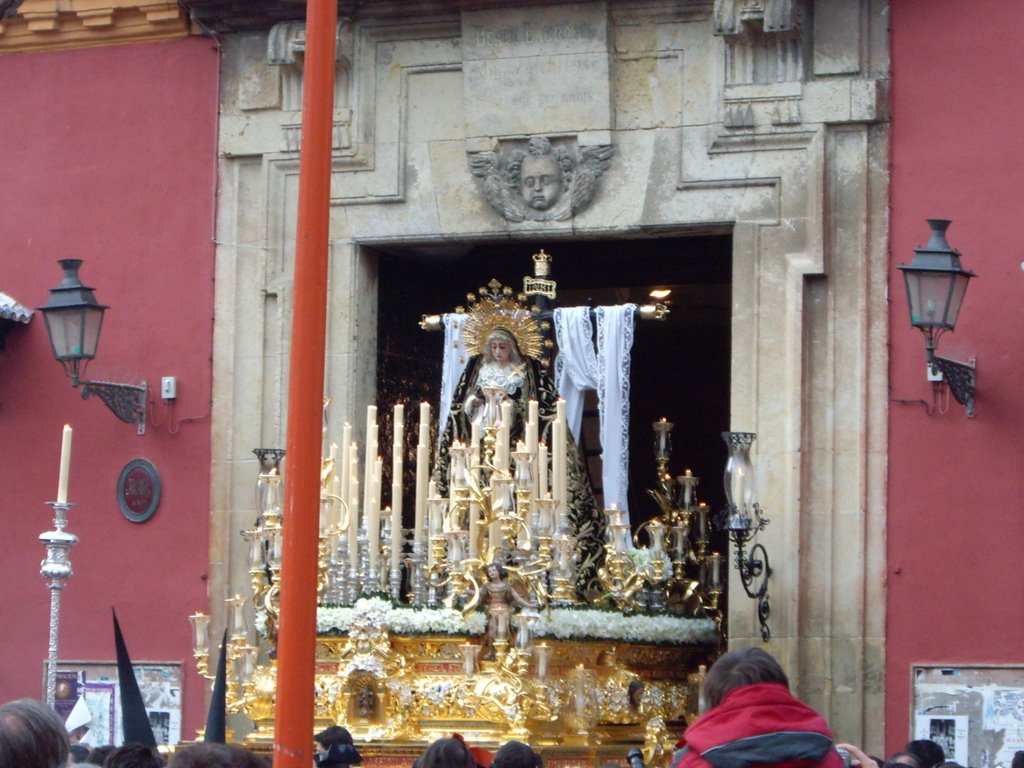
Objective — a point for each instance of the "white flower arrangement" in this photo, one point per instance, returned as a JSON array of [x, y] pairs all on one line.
[[596, 624], [401, 620], [558, 623]]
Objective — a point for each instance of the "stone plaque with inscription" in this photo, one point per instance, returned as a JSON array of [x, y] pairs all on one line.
[[536, 70]]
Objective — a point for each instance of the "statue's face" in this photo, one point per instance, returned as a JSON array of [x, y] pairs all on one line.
[[540, 181], [493, 573], [500, 351]]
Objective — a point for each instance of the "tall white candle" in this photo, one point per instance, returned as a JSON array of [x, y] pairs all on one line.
[[373, 515], [345, 471], [420, 510], [397, 449], [353, 524], [65, 465], [542, 471], [504, 434], [532, 420], [424, 424], [396, 526], [369, 460], [335, 506], [474, 528]]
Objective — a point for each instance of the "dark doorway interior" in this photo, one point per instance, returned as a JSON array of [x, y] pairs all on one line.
[[680, 366]]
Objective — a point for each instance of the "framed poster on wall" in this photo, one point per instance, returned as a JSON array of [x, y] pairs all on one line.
[[159, 683], [975, 713]]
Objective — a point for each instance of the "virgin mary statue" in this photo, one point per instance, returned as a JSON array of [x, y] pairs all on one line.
[[504, 343]]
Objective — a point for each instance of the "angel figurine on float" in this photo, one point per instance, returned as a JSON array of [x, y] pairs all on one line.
[[504, 374], [500, 594]]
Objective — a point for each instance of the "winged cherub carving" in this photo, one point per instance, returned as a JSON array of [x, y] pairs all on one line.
[[542, 182]]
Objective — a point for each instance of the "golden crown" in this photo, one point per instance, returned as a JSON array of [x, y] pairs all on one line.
[[496, 307]]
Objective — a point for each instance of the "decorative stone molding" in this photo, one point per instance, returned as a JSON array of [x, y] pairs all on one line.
[[286, 46], [539, 180], [733, 17], [57, 24]]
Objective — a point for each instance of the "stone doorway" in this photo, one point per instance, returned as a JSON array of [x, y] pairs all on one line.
[[680, 366]]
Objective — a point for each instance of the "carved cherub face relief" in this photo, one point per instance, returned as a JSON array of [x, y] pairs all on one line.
[[540, 181]]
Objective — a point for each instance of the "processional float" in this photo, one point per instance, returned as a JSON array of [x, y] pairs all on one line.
[[481, 619]]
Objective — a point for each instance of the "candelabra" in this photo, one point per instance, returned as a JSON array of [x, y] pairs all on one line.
[[56, 570], [240, 656], [680, 569], [742, 520]]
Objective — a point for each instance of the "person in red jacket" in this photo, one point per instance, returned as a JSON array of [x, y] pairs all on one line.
[[753, 720]]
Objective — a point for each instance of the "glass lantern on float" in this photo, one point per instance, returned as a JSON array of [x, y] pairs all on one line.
[[742, 520]]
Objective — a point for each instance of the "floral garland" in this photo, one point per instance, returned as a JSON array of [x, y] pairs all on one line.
[[558, 623]]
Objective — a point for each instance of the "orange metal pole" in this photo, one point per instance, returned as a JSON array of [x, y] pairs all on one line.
[[296, 646]]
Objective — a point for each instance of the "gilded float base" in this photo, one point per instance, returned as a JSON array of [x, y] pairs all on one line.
[[581, 703]]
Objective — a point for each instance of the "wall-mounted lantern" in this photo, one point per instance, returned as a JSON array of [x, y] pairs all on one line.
[[936, 283], [73, 321]]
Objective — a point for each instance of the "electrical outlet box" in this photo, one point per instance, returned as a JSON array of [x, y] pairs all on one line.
[[168, 388], [933, 374]]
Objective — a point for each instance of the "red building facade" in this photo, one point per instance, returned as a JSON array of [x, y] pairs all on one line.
[[111, 158], [955, 486]]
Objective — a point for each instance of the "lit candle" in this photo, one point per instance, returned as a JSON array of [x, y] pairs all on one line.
[[65, 466]]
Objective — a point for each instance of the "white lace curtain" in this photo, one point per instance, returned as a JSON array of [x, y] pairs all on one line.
[[582, 365], [452, 365]]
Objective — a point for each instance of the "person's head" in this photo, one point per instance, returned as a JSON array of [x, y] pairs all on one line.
[[31, 734], [213, 755], [516, 754], [927, 751], [134, 755], [79, 753], [501, 348], [909, 759], [747, 666], [99, 754], [1018, 759], [332, 735], [446, 753]]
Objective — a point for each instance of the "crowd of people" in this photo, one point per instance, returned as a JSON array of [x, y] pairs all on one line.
[[752, 721]]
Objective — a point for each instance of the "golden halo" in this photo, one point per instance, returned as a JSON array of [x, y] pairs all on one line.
[[497, 307]]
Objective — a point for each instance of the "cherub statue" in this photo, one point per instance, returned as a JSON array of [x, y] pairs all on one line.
[[500, 595]]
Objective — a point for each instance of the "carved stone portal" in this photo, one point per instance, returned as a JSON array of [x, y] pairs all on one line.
[[539, 180]]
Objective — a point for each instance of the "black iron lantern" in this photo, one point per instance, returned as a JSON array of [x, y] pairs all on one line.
[[936, 283], [73, 321]]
